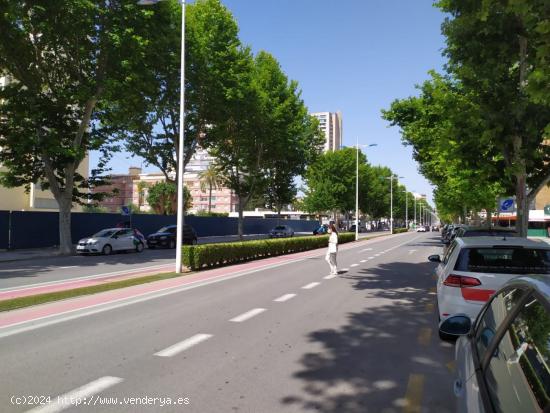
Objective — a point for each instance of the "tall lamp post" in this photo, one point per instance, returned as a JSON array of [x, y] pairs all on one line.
[[407, 210], [391, 178], [414, 195], [181, 134], [357, 185]]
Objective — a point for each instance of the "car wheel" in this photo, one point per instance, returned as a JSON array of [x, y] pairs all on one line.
[[139, 247], [107, 250], [172, 244]]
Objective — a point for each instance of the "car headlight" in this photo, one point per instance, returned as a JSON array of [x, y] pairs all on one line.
[[92, 242]]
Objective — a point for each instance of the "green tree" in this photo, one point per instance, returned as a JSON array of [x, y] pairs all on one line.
[[162, 197], [293, 135], [445, 128], [330, 182], [499, 50], [65, 61], [210, 178], [152, 115]]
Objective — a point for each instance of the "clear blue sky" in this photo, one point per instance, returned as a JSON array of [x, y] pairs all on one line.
[[355, 56]]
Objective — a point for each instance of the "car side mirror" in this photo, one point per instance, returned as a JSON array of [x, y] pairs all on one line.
[[434, 258], [458, 325]]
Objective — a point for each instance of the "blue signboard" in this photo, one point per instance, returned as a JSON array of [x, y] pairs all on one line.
[[506, 205], [124, 210]]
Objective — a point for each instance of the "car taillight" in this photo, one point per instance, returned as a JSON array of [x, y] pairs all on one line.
[[461, 281]]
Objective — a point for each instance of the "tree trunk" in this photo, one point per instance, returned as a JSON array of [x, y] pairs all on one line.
[[65, 241], [240, 226], [210, 198], [522, 214], [489, 219]]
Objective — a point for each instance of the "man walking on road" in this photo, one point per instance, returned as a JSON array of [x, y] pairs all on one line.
[[332, 249]]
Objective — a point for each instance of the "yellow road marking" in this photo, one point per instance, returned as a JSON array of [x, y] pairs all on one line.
[[424, 336], [451, 365], [413, 397]]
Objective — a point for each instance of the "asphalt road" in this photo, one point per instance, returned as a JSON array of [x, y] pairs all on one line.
[[283, 339]]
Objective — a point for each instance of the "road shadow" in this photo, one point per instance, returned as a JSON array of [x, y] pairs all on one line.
[[366, 364]]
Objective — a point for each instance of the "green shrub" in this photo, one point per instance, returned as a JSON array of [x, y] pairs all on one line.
[[400, 230], [196, 257]]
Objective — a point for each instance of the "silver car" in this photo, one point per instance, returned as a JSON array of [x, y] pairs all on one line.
[[502, 361], [281, 231], [108, 240]]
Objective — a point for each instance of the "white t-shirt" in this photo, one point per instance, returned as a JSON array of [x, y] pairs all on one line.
[[333, 243]]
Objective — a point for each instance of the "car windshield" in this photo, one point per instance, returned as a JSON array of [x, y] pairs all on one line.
[[165, 229], [510, 260], [105, 233]]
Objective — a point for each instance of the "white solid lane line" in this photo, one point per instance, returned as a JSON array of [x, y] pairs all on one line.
[[85, 392], [248, 315], [183, 345], [310, 286], [330, 276], [284, 298], [354, 265]]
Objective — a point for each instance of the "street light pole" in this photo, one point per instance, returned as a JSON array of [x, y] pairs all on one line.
[[414, 209], [406, 210], [357, 186], [357, 190], [181, 200]]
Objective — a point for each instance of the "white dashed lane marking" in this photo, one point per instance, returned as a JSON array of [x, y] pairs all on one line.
[[183, 345], [310, 286], [284, 298], [248, 315], [63, 401]]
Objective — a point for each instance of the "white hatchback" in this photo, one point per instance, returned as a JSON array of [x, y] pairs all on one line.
[[108, 240], [474, 268]]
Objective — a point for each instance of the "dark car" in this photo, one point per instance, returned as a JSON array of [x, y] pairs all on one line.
[[166, 237], [281, 231], [321, 230]]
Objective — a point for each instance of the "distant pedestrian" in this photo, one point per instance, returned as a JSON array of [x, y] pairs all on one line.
[[332, 249]]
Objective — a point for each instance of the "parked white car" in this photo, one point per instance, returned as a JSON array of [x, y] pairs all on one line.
[[502, 359], [474, 268], [108, 240]]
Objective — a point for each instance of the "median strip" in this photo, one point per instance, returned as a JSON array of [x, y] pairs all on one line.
[[21, 302]]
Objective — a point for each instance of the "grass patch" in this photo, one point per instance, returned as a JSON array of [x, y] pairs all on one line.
[[21, 302]]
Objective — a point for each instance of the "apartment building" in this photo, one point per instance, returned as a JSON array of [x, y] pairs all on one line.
[[331, 125]]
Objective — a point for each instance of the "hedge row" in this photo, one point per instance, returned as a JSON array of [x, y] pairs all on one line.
[[400, 230], [196, 257]]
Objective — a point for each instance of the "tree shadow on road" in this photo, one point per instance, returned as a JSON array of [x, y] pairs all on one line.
[[366, 364]]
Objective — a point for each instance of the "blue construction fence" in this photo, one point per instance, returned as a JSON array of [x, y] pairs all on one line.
[[26, 229]]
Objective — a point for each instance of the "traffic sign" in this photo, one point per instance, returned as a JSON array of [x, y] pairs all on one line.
[[124, 210], [506, 205]]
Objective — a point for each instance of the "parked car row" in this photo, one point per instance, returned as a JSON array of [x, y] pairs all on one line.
[[112, 240], [493, 292]]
